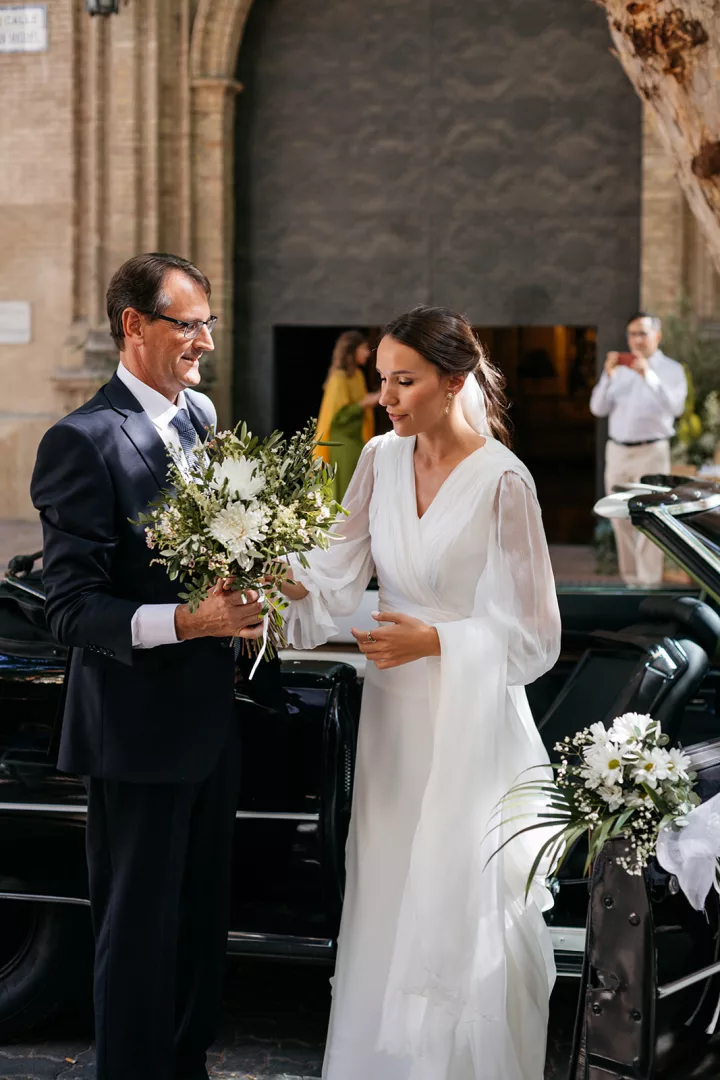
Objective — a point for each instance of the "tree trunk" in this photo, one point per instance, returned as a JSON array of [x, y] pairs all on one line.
[[670, 50]]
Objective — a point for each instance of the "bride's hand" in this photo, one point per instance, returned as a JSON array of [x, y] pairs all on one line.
[[407, 639], [291, 588]]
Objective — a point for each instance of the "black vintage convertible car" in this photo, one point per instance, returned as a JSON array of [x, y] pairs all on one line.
[[622, 650]]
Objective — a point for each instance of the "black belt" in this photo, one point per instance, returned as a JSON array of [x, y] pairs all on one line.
[[645, 442]]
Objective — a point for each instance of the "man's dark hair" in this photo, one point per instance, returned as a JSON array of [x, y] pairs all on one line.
[[139, 284], [654, 320]]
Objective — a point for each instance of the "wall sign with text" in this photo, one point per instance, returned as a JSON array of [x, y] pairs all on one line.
[[14, 322], [23, 28]]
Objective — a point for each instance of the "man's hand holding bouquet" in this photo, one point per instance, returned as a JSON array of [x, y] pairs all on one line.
[[233, 514]]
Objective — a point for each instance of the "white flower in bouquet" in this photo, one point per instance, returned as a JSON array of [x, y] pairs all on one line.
[[244, 478], [286, 517], [605, 759], [599, 733], [652, 767], [630, 727], [239, 528], [678, 764], [613, 796], [592, 778]]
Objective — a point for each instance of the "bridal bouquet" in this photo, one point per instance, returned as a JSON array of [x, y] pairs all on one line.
[[239, 508], [611, 782]]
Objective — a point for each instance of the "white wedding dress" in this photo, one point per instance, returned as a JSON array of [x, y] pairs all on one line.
[[443, 970]]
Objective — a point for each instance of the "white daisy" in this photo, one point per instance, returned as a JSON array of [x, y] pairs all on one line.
[[652, 767], [678, 764], [630, 727], [606, 760]]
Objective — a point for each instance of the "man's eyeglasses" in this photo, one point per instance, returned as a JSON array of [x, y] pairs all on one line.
[[190, 330]]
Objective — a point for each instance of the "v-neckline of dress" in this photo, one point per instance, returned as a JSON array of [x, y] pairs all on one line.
[[421, 517]]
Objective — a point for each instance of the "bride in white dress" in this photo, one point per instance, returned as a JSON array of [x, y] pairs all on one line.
[[444, 971]]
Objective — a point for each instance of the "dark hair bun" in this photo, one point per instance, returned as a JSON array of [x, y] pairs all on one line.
[[447, 340]]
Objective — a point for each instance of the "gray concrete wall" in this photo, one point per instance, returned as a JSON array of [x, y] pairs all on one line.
[[479, 153]]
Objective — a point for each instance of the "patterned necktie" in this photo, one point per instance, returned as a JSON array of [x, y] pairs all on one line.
[[184, 426]]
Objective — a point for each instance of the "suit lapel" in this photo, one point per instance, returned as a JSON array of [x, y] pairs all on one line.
[[139, 429]]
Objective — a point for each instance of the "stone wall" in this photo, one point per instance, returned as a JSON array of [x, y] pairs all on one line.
[[95, 151], [37, 208], [482, 155], [675, 258]]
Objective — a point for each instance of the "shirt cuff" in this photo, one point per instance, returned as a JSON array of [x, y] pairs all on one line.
[[154, 624], [652, 380]]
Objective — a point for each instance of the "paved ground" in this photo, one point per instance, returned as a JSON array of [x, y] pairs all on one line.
[[272, 1029]]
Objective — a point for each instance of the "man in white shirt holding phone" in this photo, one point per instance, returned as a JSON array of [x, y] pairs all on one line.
[[641, 392]]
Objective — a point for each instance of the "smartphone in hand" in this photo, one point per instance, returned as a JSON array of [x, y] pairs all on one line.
[[626, 359]]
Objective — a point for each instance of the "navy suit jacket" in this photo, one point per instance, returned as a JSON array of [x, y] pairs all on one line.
[[139, 715]]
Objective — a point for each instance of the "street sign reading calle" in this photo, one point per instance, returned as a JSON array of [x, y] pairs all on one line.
[[23, 28]]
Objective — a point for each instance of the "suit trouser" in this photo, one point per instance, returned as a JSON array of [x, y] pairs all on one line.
[[640, 561], [159, 860]]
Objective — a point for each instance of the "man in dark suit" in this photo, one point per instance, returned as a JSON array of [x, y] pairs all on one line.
[[149, 713]]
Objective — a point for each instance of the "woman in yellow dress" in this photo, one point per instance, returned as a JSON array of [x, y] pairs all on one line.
[[346, 413]]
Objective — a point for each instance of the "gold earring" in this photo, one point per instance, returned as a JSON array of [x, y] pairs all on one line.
[[449, 403]]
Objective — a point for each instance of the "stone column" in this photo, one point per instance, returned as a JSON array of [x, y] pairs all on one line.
[[676, 260], [664, 220], [212, 216], [132, 166], [702, 281], [88, 353]]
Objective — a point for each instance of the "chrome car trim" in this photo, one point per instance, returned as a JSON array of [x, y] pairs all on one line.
[[36, 898], [243, 935], [268, 815], [20, 583], [696, 506], [687, 535], [81, 808], [688, 980], [566, 970], [703, 754], [662, 489], [568, 938], [240, 943], [46, 808]]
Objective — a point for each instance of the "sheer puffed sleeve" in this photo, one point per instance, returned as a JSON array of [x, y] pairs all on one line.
[[518, 588], [338, 577]]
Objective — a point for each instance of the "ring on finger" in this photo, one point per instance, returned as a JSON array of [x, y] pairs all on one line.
[[371, 639]]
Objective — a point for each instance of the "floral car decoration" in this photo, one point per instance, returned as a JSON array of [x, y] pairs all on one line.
[[620, 781]]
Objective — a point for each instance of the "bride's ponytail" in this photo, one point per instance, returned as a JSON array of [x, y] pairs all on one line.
[[448, 341], [492, 383]]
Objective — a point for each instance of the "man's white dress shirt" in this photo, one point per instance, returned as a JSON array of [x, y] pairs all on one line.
[[154, 624], [641, 409]]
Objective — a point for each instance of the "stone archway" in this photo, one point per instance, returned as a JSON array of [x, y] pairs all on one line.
[[216, 35]]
